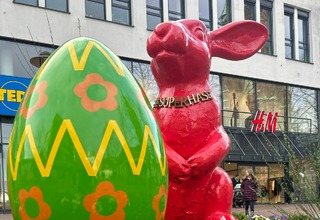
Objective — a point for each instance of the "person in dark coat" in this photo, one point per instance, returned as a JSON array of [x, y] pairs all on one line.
[[235, 180], [249, 189]]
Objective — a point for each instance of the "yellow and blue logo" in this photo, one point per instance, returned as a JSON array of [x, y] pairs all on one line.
[[12, 90]]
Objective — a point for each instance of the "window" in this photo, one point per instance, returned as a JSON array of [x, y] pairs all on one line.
[[205, 13], [154, 13], [121, 11], [224, 12], [214, 83], [58, 5], [142, 73], [266, 20], [16, 57], [289, 32], [176, 10], [303, 28], [302, 110], [272, 98], [96, 9], [28, 2], [238, 101], [298, 47], [250, 10]]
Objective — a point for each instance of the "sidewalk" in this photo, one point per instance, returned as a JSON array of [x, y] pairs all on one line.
[[265, 210], [268, 210]]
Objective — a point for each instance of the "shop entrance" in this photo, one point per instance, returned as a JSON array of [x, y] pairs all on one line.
[[269, 179]]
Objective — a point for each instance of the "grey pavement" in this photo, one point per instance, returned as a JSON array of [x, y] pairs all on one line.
[[265, 210]]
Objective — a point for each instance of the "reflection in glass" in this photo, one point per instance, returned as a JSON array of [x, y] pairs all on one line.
[[60, 5], [16, 58], [302, 110], [289, 41], [223, 12], [303, 38], [266, 20], [214, 83], [250, 10], [154, 13], [121, 11], [272, 98], [238, 101], [142, 73]]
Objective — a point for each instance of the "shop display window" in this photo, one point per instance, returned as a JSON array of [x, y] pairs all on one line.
[[238, 102], [302, 110]]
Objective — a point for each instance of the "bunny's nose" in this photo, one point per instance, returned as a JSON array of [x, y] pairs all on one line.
[[172, 37]]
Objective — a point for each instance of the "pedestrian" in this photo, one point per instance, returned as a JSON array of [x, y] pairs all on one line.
[[235, 180], [249, 189]]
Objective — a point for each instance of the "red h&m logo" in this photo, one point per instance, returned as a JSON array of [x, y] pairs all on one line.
[[259, 125]]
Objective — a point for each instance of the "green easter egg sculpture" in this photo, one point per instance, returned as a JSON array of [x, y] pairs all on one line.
[[85, 144]]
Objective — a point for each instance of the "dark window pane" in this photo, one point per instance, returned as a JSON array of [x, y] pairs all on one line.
[[249, 10], [95, 9], [289, 32], [121, 12], [302, 110], [29, 2], [266, 20], [224, 12], [303, 35]]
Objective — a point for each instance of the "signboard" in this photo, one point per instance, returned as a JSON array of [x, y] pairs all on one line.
[[258, 123], [12, 90]]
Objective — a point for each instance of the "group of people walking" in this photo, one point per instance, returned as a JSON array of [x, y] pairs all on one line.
[[249, 189]]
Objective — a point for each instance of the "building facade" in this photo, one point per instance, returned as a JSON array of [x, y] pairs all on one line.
[[278, 88]]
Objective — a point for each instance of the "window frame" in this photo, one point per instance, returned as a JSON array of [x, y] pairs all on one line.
[[44, 6]]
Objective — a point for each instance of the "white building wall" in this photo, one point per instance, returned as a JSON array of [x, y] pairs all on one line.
[[52, 27]]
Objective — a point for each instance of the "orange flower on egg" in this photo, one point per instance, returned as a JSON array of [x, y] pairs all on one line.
[[156, 202], [106, 189], [28, 111], [36, 194], [81, 90]]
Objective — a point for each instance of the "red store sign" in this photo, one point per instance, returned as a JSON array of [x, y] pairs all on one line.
[[269, 125]]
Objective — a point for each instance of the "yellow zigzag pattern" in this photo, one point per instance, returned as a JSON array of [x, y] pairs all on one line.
[[92, 170]]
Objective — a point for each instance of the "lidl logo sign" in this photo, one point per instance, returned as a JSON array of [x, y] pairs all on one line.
[[12, 90]]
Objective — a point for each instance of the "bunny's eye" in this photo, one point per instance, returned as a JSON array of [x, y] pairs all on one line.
[[199, 34]]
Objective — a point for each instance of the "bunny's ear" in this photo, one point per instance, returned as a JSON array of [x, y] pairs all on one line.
[[238, 40]]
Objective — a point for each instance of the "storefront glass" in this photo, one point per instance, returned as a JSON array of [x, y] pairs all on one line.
[[272, 98], [302, 110], [238, 102]]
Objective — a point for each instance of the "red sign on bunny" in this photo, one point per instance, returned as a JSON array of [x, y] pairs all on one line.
[[195, 140]]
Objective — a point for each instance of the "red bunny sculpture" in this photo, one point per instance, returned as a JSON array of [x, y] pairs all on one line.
[[189, 116]]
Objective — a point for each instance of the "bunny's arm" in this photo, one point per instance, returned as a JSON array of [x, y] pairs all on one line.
[[209, 156], [179, 169]]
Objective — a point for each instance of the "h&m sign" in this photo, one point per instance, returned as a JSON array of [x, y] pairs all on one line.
[[259, 124]]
